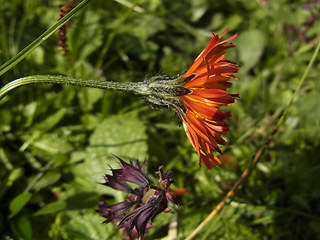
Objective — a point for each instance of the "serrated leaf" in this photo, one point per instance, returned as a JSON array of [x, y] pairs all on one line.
[[87, 226], [18, 203], [122, 135]]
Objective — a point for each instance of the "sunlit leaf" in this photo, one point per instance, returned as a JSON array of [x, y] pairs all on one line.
[[47, 180], [53, 207], [87, 226], [18, 203], [250, 46]]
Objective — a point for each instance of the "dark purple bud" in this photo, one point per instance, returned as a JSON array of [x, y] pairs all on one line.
[[144, 203], [171, 198], [133, 234], [140, 166], [117, 183], [165, 179], [132, 174], [114, 213], [140, 217]]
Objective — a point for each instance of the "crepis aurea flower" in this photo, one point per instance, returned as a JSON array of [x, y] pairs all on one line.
[[143, 204], [197, 96]]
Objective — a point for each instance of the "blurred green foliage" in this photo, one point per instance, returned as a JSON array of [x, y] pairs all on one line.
[[56, 142]]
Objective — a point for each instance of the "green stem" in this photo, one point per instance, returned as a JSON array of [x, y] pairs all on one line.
[[27, 50], [303, 78], [136, 87]]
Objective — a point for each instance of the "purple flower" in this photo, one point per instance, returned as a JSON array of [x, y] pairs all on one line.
[[116, 212], [130, 173], [143, 204], [139, 217], [117, 183]]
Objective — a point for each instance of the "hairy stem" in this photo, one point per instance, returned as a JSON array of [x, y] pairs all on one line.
[[136, 87]]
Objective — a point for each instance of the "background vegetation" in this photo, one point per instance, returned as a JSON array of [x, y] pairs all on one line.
[[56, 142]]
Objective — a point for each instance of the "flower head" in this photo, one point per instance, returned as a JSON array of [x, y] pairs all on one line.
[[207, 80], [143, 204], [197, 97]]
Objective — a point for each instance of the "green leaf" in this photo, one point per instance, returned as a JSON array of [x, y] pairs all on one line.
[[87, 226], [22, 227], [82, 200], [52, 120], [86, 42], [18, 203], [8, 181], [123, 135], [53, 207], [47, 180], [250, 45], [14, 175], [88, 97], [47, 145]]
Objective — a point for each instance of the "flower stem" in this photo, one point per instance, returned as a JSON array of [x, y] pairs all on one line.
[[294, 97], [136, 87]]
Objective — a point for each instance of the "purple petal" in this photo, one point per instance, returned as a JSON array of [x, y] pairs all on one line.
[[140, 217], [131, 174], [172, 198], [117, 183], [133, 234], [140, 166], [141, 220], [115, 212]]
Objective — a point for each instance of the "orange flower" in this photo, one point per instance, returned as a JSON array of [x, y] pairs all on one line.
[[207, 80]]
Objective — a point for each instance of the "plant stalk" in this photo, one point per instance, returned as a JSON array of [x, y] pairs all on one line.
[[135, 87]]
